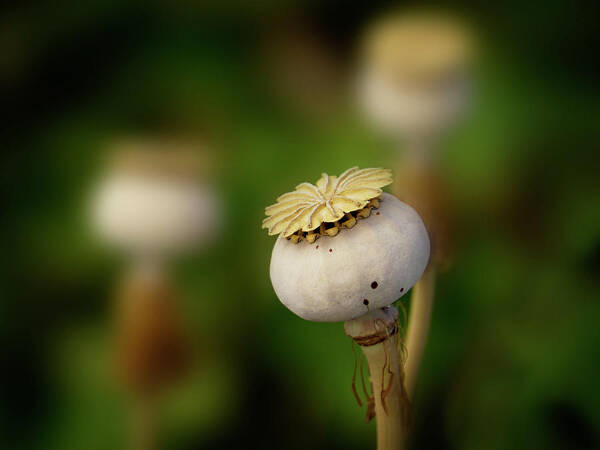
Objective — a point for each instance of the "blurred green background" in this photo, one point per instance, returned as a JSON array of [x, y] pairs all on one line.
[[514, 355]]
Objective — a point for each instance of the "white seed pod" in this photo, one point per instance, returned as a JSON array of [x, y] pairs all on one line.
[[415, 73], [396, 106], [150, 205], [368, 266]]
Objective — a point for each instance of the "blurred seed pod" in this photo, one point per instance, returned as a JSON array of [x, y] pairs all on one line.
[[156, 198], [415, 72], [151, 346], [418, 46]]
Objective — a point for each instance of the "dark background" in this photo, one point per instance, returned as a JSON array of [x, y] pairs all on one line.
[[513, 358]]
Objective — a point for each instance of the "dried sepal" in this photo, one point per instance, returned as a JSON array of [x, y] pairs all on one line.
[[349, 222], [364, 213], [332, 231], [312, 237]]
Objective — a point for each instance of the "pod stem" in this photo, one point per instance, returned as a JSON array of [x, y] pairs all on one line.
[[418, 330], [377, 335], [144, 423], [151, 346]]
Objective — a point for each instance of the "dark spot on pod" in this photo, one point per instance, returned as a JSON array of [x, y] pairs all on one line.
[[401, 289], [317, 246], [374, 285], [377, 213], [365, 302], [330, 250]]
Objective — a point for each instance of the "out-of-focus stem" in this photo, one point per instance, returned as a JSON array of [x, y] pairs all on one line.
[[418, 326], [419, 187], [377, 334], [144, 423], [151, 347]]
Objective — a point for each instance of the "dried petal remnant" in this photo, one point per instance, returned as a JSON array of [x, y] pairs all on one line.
[[328, 202]]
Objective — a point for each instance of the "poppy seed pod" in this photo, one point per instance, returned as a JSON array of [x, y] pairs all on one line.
[[414, 76], [377, 251], [153, 201]]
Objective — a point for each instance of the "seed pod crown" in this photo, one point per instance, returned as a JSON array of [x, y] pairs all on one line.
[[322, 205]]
